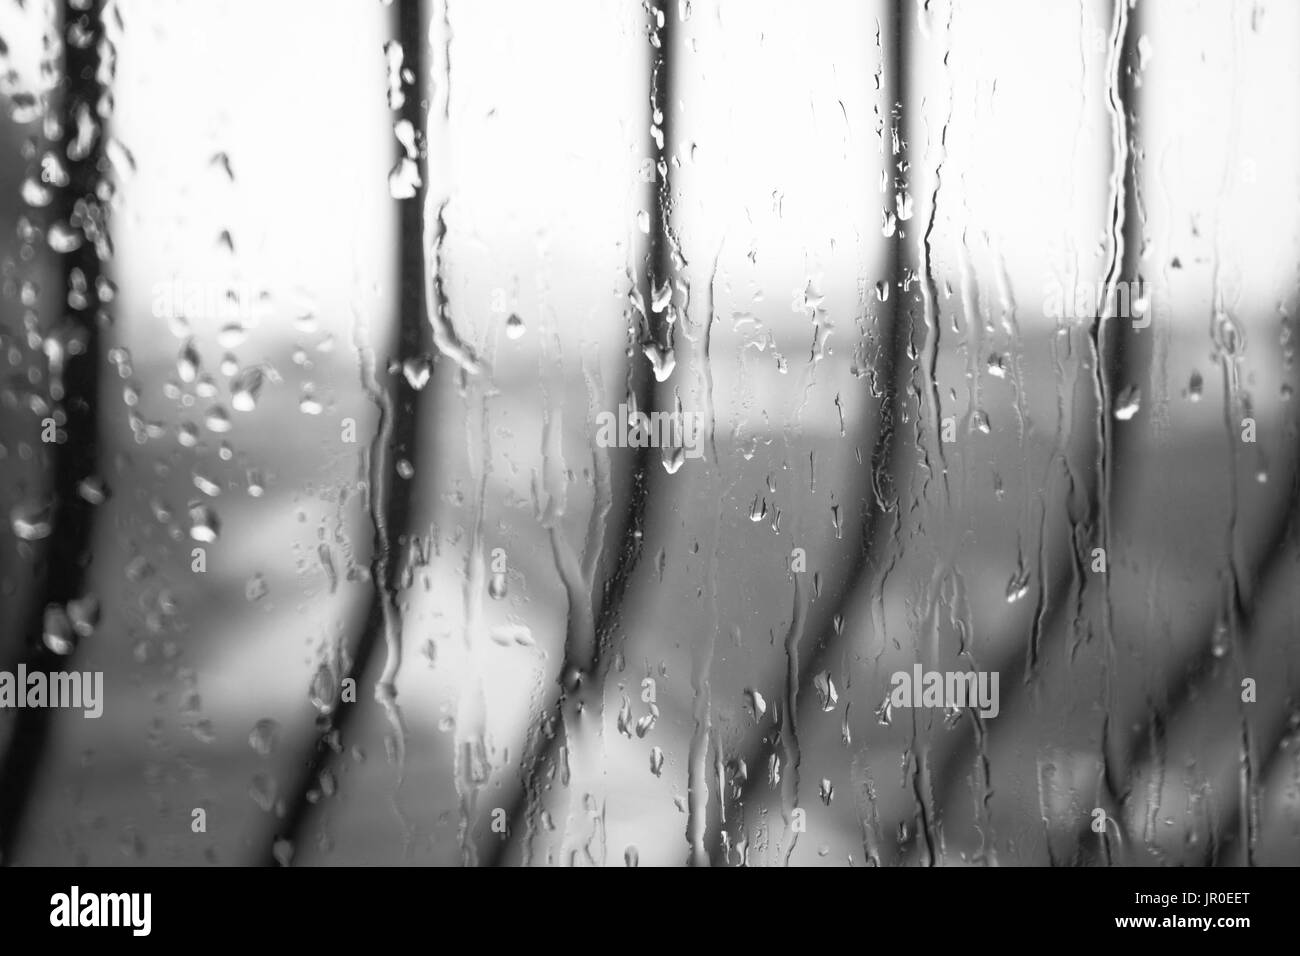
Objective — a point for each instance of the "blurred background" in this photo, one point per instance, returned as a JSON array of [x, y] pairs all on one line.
[[309, 309]]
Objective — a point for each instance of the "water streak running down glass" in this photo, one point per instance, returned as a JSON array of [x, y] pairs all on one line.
[[669, 433]]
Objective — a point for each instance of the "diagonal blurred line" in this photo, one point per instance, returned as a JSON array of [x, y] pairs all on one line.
[[66, 556], [1198, 670], [398, 435], [887, 462], [628, 533], [1275, 747]]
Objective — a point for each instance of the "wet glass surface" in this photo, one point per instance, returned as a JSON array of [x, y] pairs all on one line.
[[653, 434]]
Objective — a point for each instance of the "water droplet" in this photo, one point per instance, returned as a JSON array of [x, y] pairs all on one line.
[[514, 327], [661, 295], [308, 404], [513, 635], [31, 521], [1219, 639], [673, 457], [245, 388], [656, 761], [323, 687], [405, 469], [83, 613], [232, 335], [205, 526], [35, 193], [755, 703], [497, 588], [221, 162], [416, 371], [217, 420], [826, 692], [404, 179], [282, 850], [662, 360], [63, 239], [1195, 385], [57, 631], [139, 569], [263, 791], [208, 487], [885, 713], [625, 719], [1126, 406], [826, 791], [264, 736], [187, 362], [632, 857], [255, 588]]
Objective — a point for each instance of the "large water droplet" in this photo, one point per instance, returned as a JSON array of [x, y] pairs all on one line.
[[31, 521], [308, 404], [662, 360], [404, 179], [1126, 406], [245, 387], [826, 691], [62, 238], [416, 371], [323, 689], [217, 420], [205, 526]]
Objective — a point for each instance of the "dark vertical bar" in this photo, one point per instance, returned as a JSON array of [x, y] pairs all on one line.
[[397, 437], [75, 458], [625, 536], [1123, 353], [887, 434]]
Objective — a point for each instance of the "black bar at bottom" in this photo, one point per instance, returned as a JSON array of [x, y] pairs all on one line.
[[334, 905]]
